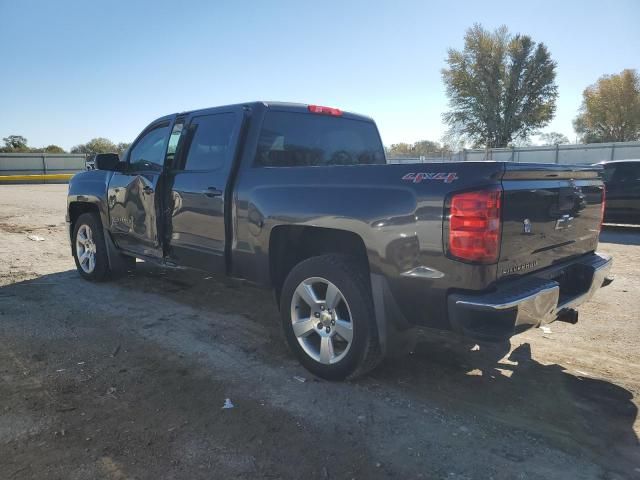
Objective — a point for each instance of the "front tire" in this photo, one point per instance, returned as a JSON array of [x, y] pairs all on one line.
[[89, 249], [328, 318]]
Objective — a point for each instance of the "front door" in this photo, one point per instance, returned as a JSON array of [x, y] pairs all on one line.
[[196, 226], [134, 205]]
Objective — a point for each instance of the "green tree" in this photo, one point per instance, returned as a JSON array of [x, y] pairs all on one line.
[[399, 149], [501, 87], [121, 147], [54, 149], [96, 145], [553, 138], [425, 148], [18, 144], [520, 142], [15, 143], [610, 110], [48, 149]]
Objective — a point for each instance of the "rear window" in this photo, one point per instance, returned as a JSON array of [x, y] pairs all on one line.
[[622, 172], [608, 172], [292, 139]]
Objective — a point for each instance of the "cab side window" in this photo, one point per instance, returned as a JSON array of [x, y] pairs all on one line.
[[210, 142], [148, 153]]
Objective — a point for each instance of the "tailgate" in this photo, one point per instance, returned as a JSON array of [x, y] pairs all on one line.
[[550, 213]]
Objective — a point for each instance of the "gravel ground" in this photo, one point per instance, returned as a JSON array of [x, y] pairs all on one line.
[[126, 380]]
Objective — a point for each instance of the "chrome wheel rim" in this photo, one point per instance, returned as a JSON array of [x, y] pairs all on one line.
[[321, 320], [86, 249]]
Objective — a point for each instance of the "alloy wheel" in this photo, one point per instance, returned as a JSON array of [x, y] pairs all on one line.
[[321, 320], [86, 249]]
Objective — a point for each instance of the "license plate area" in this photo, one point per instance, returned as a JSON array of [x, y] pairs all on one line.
[[574, 280]]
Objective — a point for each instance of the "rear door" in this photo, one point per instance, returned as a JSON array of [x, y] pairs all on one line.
[[196, 223], [134, 205]]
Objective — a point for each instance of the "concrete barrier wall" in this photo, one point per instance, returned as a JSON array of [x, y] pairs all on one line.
[[39, 167], [572, 154], [59, 168]]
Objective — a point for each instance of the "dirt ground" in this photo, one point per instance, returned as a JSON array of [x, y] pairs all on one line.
[[126, 380]]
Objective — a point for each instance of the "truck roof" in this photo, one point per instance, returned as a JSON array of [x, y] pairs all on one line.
[[277, 106], [629, 160]]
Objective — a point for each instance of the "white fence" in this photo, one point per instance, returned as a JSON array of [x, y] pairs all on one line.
[[39, 167], [576, 154]]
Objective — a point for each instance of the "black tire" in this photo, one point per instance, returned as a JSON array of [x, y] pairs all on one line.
[[351, 279], [101, 271]]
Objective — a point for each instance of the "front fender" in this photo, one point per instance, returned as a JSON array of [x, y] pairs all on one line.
[[90, 187]]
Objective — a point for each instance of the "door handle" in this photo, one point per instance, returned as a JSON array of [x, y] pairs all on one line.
[[147, 189], [212, 192]]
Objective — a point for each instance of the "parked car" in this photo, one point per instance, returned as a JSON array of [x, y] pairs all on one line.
[[622, 180], [299, 199]]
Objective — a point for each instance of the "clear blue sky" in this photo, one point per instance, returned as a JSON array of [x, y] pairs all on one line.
[[73, 70]]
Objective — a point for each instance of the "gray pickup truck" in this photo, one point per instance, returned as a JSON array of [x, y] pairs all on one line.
[[300, 199]]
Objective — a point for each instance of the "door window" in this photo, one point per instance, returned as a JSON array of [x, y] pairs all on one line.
[[210, 142], [174, 139], [149, 151]]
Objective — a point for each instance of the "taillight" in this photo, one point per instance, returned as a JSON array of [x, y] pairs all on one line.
[[474, 225], [336, 112], [603, 205]]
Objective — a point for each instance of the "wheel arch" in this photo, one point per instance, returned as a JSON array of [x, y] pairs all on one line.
[[77, 208], [291, 244]]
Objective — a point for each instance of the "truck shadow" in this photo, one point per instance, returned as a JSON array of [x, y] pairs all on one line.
[[571, 410], [621, 234]]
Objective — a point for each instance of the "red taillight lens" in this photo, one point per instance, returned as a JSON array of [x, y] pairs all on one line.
[[474, 226], [336, 112]]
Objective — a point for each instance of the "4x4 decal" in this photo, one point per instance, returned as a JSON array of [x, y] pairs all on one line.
[[420, 176]]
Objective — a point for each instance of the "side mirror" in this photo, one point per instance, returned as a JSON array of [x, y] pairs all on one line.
[[107, 161]]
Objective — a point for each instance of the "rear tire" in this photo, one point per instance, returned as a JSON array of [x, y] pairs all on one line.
[[89, 249], [328, 317]]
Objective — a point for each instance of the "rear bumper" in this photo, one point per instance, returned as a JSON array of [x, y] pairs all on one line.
[[530, 301]]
